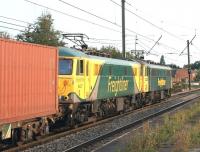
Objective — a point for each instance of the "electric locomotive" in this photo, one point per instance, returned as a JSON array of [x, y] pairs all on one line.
[[93, 85]]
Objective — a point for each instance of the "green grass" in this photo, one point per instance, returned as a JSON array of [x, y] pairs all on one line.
[[174, 129]]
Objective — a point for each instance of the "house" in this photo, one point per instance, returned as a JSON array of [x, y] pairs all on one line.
[[181, 75]]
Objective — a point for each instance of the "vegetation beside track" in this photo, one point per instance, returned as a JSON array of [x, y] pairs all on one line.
[[176, 130], [179, 87]]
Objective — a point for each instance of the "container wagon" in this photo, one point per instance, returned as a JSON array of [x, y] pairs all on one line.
[[28, 88]]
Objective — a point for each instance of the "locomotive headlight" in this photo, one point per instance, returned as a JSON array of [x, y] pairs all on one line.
[[66, 98]]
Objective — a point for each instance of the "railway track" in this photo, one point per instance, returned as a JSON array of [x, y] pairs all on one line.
[[75, 139], [143, 117]]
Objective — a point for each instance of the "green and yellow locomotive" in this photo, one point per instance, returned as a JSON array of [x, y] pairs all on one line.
[[94, 85]]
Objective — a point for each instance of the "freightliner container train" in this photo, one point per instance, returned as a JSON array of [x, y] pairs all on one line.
[[41, 87]]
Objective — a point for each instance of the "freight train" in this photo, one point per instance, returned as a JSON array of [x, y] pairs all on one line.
[[42, 86]]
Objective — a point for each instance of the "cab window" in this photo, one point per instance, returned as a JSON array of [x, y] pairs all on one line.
[[96, 69], [146, 72], [65, 66], [154, 72], [141, 71], [79, 67]]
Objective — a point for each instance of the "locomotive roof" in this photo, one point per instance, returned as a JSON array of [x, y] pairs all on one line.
[[114, 61], [64, 51], [154, 66]]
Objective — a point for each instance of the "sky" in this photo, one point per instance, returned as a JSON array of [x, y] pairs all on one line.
[[175, 20]]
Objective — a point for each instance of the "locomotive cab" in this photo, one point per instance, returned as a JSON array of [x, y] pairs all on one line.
[[144, 78], [73, 75]]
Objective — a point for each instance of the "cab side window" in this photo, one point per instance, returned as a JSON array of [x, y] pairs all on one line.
[[141, 71], [87, 68], [96, 69], [80, 65], [146, 71], [153, 72]]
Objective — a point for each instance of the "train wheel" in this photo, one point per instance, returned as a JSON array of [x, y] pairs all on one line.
[[23, 135], [26, 135], [15, 136], [72, 120], [46, 129]]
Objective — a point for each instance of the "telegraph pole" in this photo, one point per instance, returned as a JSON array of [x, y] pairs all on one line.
[[189, 70], [123, 28]]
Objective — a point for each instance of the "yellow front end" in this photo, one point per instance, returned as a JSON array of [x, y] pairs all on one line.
[[136, 73], [77, 76], [144, 79], [65, 85], [66, 77], [141, 77]]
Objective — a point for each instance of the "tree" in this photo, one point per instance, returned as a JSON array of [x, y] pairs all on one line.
[[195, 65], [4, 35], [42, 32], [174, 66], [198, 76], [114, 52], [162, 60], [129, 55]]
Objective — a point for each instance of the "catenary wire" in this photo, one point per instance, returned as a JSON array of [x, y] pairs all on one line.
[[11, 28], [12, 24], [63, 13], [15, 19], [147, 21], [102, 26], [76, 7]]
